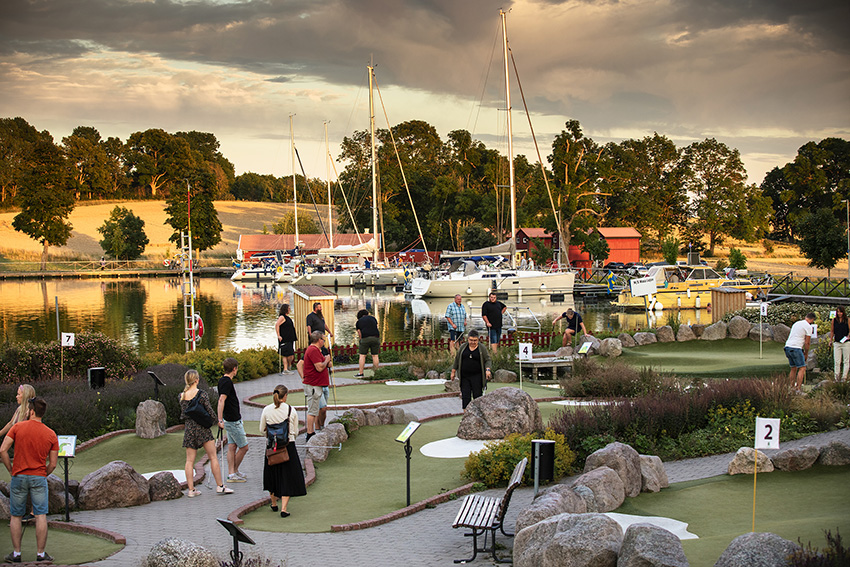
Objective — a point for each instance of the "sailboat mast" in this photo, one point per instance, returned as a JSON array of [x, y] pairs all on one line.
[[294, 193], [374, 171], [503, 15], [330, 202]]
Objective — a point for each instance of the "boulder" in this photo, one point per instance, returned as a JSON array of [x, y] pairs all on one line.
[[4, 488], [664, 334], [163, 486], [452, 385], [738, 327], [607, 488], [5, 508], [594, 343], [408, 417], [390, 414], [623, 460], [357, 416], [569, 540], [781, 332], [150, 419], [56, 495], [796, 459], [318, 447], [114, 485], [611, 347], [698, 329], [432, 375], [744, 462], [715, 332], [497, 414], [336, 433], [587, 496], [564, 352], [503, 376], [836, 453], [416, 372], [647, 545], [644, 338], [757, 550], [74, 488], [653, 475], [766, 333], [686, 333], [372, 418], [627, 340], [558, 499], [173, 552]]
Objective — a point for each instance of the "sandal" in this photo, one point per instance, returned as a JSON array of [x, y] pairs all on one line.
[[194, 492]]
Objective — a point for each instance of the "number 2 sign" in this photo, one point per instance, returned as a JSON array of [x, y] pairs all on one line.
[[767, 433], [525, 351]]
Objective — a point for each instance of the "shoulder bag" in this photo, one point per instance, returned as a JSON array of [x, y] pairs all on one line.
[[196, 411], [277, 439]]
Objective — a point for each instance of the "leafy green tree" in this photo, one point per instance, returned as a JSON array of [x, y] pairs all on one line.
[[476, 236], [159, 160], [822, 239], [46, 198], [670, 249], [206, 147], [737, 259], [124, 235], [206, 226], [286, 225], [89, 162], [17, 139], [540, 253], [254, 187], [597, 247]]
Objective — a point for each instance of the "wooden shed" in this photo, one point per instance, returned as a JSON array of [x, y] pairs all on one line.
[[726, 299], [303, 298]]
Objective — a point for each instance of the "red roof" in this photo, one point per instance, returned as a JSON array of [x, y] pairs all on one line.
[[535, 232], [261, 242], [618, 232]]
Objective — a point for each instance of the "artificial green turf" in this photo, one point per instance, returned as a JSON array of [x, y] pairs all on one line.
[[67, 548], [716, 359], [791, 504]]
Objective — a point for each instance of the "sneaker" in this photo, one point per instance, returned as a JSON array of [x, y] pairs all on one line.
[[307, 437], [235, 478], [359, 375], [223, 490], [44, 557], [12, 558], [194, 492], [243, 476]]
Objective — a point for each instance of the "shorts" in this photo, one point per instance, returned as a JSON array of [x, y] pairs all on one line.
[[495, 335], [25, 485], [455, 335], [369, 344], [236, 433], [795, 357], [314, 399], [287, 349], [326, 397]]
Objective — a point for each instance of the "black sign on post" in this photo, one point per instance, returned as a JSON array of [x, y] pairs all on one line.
[[404, 437], [238, 535], [67, 450], [156, 384], [97, 377]]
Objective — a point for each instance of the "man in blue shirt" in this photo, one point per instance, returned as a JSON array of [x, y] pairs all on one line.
[[456, 318]]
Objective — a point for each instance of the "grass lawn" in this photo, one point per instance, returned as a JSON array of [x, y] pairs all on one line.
[[67, 548], [791, 504], [729, 358]]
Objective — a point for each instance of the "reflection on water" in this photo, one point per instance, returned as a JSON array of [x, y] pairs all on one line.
[[147, 313]]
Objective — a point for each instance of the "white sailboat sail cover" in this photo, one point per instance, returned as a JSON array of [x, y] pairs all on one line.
[[504, 249], [364, 248]]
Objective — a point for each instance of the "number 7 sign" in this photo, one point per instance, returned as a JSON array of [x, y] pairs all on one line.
[[767, 433]]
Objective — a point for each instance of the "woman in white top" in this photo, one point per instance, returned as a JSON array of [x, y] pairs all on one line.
[[284, 479]]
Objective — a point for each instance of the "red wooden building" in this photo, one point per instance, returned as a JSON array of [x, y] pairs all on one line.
[[623, 241]]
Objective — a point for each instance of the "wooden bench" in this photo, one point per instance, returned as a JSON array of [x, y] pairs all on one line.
[[483, 514]]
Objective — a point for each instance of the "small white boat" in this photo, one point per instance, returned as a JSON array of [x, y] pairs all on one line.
[[466, 279], [350, 278]]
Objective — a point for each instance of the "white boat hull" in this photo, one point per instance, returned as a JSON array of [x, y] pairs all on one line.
[[515, 283], [253, 275], [351, 278]]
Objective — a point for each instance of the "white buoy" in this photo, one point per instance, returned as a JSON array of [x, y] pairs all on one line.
[[659, 306], [679, 300], [689, 293], [698, 302]]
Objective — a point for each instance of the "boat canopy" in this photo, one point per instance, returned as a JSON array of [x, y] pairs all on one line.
[[675, 274], [363, 249], [504, 249]]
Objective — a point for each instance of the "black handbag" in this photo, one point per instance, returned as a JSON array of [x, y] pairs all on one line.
[[196, 411]]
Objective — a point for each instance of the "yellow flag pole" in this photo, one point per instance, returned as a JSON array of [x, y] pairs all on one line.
[[755, 475]]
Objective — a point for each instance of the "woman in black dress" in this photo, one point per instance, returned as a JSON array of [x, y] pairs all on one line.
[[286, 337], [284, 479]]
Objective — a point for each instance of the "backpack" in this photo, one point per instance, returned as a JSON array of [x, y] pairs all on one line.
[[277, 434]]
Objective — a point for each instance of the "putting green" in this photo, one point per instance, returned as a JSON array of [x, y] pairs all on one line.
[[719, 509], [716, 359], [67, 548]]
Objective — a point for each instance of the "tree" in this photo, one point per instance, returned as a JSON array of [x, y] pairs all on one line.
[[737, 259], [597, 247], [822, 239], [17, 140], [476, 236], [46, 198], [286, 225], [89, 162], [206, 227], [158, 160], [124, 235], [670, 249], [540, 253]]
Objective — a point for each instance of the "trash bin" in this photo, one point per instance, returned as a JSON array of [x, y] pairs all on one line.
[[97, 377], [543, 451]]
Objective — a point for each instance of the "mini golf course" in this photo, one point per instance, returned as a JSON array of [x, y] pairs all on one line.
[[69, 548], [729, 358]]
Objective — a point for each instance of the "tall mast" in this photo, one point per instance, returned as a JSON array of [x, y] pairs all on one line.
[[374, 171], [294, 192], [328, 169], [503, 15]]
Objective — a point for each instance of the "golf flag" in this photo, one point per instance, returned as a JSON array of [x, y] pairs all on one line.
[[767, 433]]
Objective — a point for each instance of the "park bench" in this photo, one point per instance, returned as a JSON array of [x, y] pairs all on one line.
[[483, 514]]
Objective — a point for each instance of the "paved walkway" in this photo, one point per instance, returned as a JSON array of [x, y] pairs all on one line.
[[422, 539]]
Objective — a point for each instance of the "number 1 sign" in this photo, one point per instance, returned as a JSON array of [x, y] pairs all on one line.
[[767, 433]]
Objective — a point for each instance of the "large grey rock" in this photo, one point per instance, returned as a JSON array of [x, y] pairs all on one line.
[[356, 415], [796, 459], [627, 340], [757, 550], [610, 347], [114, 485], [564, 352], [409, 416], [390, 414], [150, 419], [766, 333], [715, 332], [738, 327], [686, 333], [558, 499], [173, 552], [836, 453], [744, 462], [698, 329], [5, 508], [504, 376], [432, 375], [781, 332], [623, 460], [497, 414], [644, 338], [4, 488], [587, 496], [372, 418], [417, 372], [664, 334], [336, 433], [163, 486], [594, 343], [569, 540], [56, 495], [653, 474], [452, 385], [318, 447], [607, 487], [646, 545]]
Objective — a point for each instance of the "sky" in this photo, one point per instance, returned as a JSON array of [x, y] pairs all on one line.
[[762, 76]]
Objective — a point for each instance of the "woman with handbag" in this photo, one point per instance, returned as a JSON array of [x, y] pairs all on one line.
[[286, 337], [197, 435], [284, 479]]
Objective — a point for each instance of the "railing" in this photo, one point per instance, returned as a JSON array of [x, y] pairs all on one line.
[[824, 287], [96, 266]]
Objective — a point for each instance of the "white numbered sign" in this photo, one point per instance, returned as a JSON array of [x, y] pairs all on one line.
[[525, 351], [764, 309], [767, 433], [67, 339]]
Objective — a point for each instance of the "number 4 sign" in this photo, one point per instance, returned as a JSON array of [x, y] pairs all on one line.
[[767, 433], [525, 351]]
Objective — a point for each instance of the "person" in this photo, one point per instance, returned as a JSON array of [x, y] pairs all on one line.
[[196, 436], [531, 263], [24, 395], [282, 480], [286, 337], [456, 317], [230, 418], [472, 366], [797, 350], [370, 340], [523, 264], [316, 321], [491, 312], [840, 335], [574, 321], [314, 373], [36, 455]]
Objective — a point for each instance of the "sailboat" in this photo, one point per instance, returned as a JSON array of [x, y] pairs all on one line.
[[467, 279]]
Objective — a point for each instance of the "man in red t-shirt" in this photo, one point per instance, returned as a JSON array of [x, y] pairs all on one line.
[[314, 373], [34, 442]]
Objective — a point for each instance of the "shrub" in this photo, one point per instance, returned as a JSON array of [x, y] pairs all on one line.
[[428, 358], [834, 555], [768, 245], [821, 408], [785, 313], [494, 464], [737, 259], [395, 372], [721, 265], [253, 362], [614, 379]]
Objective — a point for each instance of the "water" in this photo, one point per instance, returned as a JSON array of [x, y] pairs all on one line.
[[146, 313]]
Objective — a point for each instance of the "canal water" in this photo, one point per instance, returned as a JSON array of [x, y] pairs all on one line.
[[146, 313]]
